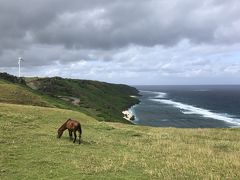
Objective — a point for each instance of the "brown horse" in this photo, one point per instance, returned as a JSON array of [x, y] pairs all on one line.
[[72, 127]]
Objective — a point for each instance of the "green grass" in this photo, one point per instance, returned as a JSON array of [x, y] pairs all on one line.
[[18, 94], [29, 149]]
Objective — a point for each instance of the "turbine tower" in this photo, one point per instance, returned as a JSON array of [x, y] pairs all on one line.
[[19, 66]]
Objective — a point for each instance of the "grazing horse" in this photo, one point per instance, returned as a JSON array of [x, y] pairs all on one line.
[[72, 127]]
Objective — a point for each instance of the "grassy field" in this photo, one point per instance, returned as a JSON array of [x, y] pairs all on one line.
[[17, 94], [29, 149]]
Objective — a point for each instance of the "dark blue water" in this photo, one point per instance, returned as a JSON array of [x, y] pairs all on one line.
[[189, 106]]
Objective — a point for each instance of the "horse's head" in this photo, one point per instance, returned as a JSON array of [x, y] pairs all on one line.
[[59, 133]]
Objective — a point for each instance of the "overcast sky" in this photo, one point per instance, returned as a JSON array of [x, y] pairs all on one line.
[[131, 42]]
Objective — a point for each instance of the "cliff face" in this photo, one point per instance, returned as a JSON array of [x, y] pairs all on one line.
[[102, 100]]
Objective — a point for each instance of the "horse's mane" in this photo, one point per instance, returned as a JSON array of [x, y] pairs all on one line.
[[64, 124]]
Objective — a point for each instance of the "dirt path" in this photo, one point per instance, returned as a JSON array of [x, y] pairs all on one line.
[[73, 100]]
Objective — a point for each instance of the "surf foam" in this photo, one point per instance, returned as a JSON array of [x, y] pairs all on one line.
[[156, 94], [161, 95], [188, 109]]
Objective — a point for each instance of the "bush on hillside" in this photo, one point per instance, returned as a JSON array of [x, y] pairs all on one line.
[[11, 78]]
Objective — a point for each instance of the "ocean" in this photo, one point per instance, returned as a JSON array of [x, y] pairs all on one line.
[[198, 106]]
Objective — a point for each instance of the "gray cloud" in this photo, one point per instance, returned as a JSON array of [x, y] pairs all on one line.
[[146, 23], [112, 24], [179, 37]]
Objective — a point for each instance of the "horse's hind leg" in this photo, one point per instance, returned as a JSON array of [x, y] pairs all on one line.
[[70, 134], [75, 137]]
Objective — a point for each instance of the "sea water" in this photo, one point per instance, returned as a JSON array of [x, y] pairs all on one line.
[[201, 106]]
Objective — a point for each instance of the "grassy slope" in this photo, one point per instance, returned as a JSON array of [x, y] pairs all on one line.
[[102, 100], [29, 149], [15, 93], [18, 94]]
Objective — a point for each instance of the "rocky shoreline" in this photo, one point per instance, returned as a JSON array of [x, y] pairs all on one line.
[[128, 115]]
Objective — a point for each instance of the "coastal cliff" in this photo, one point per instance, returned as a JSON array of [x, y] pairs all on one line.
[[101, 100]]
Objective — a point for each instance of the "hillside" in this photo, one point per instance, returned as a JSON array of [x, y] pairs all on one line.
[[17, 94], [30, 149], [102, 100]]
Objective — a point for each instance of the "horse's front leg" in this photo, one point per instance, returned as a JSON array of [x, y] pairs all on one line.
[[75, 137], [70, 134]]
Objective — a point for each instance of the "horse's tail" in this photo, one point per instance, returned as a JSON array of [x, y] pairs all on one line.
[[80, 132], [80, 129]]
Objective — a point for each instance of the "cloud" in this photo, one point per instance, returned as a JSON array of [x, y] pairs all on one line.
[[114, 24], [145, 23], [168, 38]]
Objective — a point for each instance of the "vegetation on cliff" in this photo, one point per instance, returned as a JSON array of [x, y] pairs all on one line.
[[103, 101]]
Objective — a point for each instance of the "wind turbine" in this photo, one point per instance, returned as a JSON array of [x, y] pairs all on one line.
[[19, 66]]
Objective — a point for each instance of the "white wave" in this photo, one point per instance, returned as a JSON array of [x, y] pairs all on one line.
[[161, 95], [158, 95], [188, 109]]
